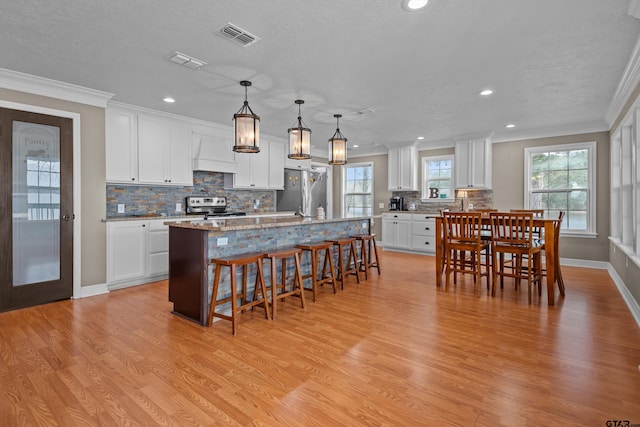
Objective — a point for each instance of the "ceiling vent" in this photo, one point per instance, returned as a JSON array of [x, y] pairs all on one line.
[[186, 60], [238, 35]]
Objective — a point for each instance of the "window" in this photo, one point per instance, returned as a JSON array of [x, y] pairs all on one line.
[[437, 176], [562, 178], [43, 189], [357, 184]]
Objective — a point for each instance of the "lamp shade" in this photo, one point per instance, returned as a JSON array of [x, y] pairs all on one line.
[[299, 138], [246, 127], [337, 145]]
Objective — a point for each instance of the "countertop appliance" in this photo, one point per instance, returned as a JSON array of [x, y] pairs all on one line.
[[304, 192], [396, 204], [209, 206]]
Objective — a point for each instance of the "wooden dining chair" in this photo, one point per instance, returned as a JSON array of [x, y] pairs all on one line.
[[462, 235], [512, 234], [538, 232]]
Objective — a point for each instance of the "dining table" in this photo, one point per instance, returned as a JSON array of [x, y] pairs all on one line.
[[551, 251]]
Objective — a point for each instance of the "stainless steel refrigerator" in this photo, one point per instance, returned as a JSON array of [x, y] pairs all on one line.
[[304, 192]]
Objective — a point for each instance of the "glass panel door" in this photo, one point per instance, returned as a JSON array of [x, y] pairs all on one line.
[[36, 203]]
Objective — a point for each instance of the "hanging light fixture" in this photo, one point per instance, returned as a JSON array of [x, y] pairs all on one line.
[[246, 126], [299, 138], [337, 145]]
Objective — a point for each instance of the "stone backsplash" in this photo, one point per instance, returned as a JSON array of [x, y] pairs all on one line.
[[160, 200], [479, 198]]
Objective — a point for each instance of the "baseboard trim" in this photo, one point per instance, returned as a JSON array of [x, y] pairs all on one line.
[[92, 291], [628, 298]]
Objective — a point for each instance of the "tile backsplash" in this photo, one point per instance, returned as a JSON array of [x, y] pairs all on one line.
[[160, 200], [479, 198]]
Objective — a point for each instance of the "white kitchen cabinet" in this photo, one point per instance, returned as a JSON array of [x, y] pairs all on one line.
[[396, 230], [158, 248], [423, 236], [164, 148], [126, 251], [403, 169], [473, 163], [122, 146], [259, 171]]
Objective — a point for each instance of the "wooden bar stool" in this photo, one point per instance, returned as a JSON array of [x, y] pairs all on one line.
[[351, 266], [296, 287], [233, 262], [328, 275], [367, 255]]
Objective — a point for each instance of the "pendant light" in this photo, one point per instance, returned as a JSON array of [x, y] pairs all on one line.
[[337, 145], [246, 127], [299, 138]]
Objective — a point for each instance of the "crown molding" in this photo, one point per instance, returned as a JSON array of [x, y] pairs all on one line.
[[22, 82], [628, 82]]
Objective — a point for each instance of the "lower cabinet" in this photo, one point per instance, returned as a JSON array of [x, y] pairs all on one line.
[[423, 236], [137, 252], [396, 230], [415, 232]]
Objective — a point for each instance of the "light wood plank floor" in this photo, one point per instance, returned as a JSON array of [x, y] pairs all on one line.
[[393, 351]]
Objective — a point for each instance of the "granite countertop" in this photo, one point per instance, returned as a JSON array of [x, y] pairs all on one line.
[[244, 223], [189, 217]]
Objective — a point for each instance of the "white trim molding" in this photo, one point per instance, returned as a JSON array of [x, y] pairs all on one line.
[[628, 83], [634, 308], [92, 291], [22, 82]]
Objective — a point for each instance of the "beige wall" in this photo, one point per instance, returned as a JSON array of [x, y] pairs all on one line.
[[508, 189], [93, 191]]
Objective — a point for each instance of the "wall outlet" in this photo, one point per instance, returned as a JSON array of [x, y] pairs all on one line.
[[178, 207], [381, 205], [470, 206], [120, 207], [222, 241], [256, 204]]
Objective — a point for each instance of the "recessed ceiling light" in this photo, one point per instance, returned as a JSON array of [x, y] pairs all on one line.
[[486, 92], [169, 100], [510, 125], [413, 5], [420, 137], [355, 146]]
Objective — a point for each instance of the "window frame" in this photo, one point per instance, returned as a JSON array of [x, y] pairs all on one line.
[[343, 171], [591, 147], [424, 197]]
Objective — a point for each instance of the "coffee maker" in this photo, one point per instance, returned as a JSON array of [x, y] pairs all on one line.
[[396, 203]]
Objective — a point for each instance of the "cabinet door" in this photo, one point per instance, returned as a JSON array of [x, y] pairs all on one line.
[[243, 178], [178, 164], [405, 169], [276, 165], [152, 149], [473, 163], [121, 147], [388, 233], [393, 169], [402, 169], [403, 234], [126, 250]]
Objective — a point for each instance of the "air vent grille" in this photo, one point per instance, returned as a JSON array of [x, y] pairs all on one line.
[[186, 60], [238, 35]]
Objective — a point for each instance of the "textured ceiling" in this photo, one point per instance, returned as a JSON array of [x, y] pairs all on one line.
[[554, 65]]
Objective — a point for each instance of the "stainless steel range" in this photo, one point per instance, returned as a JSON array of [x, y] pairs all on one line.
[[209, 206]]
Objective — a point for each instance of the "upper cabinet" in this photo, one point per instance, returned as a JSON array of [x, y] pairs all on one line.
[[122, 146], [147, 149], [403, 169], [164, 148], [259, 171], [473, 163]]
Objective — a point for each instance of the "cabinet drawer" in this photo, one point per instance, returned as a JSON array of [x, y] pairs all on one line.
[[423, 243], [393, 215], [423, 228]]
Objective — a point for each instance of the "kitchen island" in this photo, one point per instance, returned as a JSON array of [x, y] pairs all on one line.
[[192, 244]]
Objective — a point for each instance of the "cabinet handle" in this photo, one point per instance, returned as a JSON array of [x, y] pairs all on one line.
[[427, 228], [133, 179], [395, 216], [144, 225], [426, 243]]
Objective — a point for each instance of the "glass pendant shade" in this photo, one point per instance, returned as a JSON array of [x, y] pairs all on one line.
[[337, 145], [299, 138], [246, 127]]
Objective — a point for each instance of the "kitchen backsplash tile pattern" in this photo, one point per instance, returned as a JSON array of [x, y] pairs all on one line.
[[479, 198], [144, 199]]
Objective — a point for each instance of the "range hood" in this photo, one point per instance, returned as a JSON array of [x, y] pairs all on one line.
[[213, 151]]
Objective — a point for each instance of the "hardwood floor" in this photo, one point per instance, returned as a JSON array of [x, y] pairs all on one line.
[[393, 351]]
